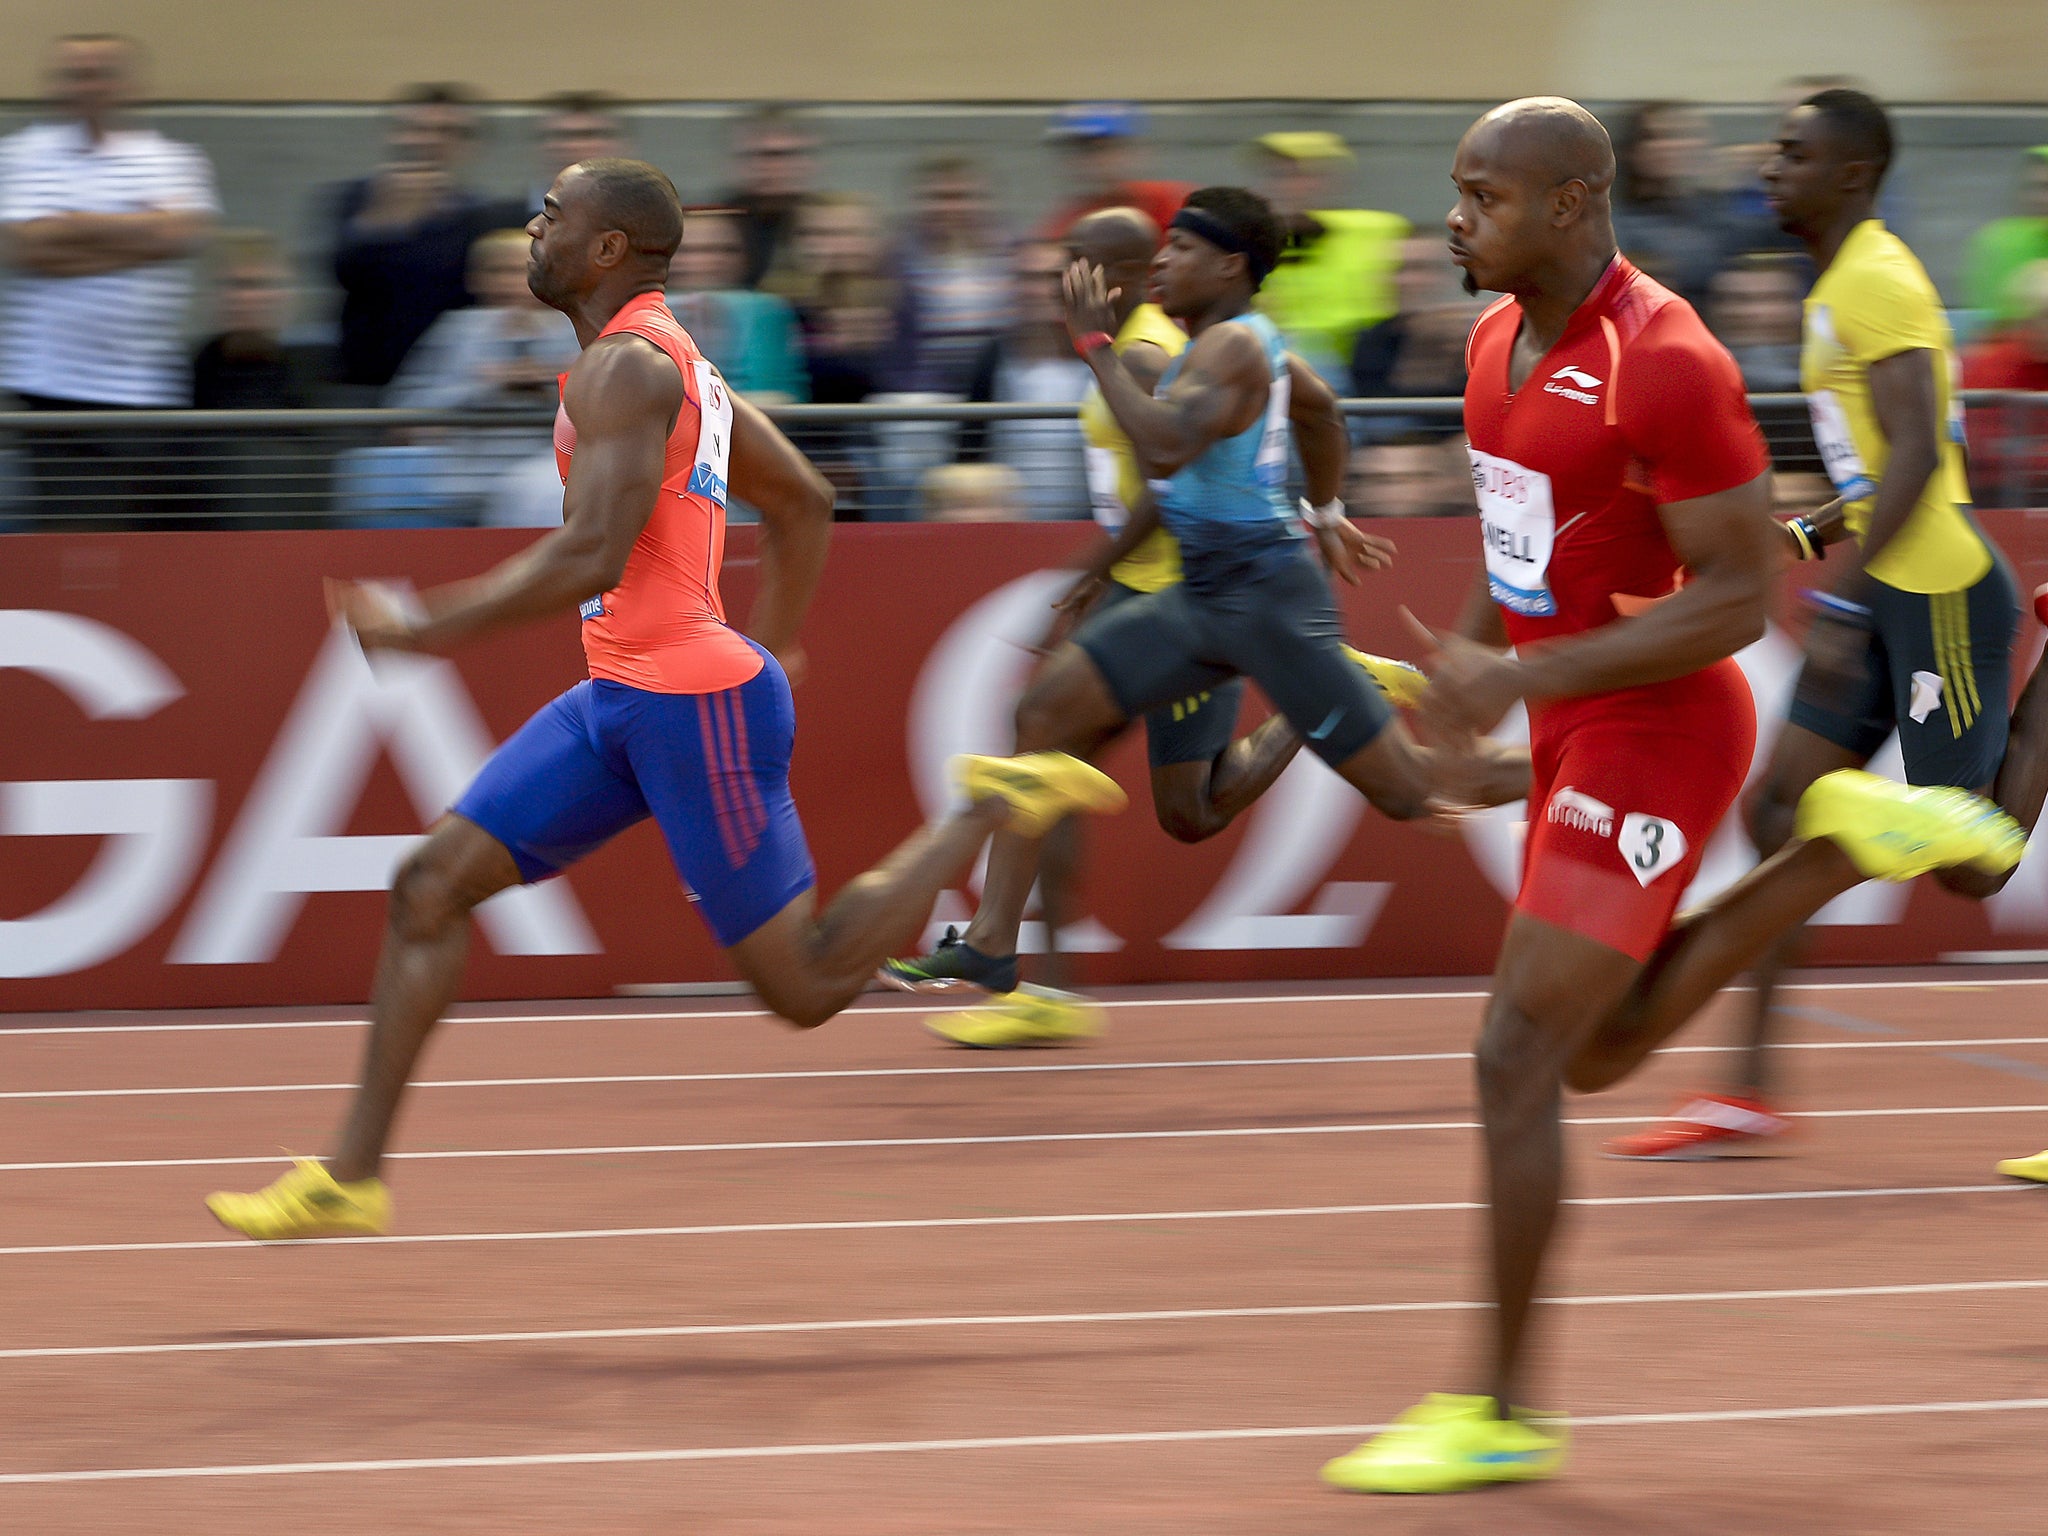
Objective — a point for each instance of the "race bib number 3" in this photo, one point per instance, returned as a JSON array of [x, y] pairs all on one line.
[[1650, 844], [1519, 523]]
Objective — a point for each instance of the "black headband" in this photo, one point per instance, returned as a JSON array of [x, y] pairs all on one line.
[[1212, 229]]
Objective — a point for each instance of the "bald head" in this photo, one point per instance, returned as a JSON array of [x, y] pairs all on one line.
[[1532, 215], [1114, 237], [633, 197], [1547, 140]]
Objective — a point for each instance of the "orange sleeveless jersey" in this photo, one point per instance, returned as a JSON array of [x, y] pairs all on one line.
[[662, 628]]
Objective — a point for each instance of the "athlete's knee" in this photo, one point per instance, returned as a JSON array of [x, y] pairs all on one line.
[[1042, 720], [1066, 707], [1514, 1055], [804, 1013], [1592, 1070], [799, 1000], [1184, 818], [1769, 817], [1974, 883], [1401, 793], [1185, 826], [425, 896]]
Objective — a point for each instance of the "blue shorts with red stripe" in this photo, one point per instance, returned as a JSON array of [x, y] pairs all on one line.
[[712, 769]]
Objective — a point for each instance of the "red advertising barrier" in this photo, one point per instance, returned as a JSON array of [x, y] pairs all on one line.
[[203, 788]]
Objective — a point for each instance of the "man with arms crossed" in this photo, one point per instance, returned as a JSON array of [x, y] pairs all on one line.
[[684, 718], [1615, 460]]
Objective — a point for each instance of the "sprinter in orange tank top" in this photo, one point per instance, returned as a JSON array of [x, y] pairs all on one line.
[[684, 718]]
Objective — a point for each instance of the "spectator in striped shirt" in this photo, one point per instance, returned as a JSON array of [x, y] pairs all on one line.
[[98, 221]]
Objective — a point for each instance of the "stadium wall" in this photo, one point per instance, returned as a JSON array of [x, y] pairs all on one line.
[[206, 788], [993, 50]]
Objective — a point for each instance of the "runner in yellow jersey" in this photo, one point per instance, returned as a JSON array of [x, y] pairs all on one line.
[[1915, 633], [1201, 778]]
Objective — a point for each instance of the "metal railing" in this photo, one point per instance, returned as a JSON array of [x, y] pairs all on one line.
[[889, 462]]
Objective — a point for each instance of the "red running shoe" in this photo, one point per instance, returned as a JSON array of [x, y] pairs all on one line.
[[1705, 1126], [2041, 602]]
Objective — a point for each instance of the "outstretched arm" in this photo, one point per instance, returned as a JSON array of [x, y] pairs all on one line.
[[622, 397], [795, 502]]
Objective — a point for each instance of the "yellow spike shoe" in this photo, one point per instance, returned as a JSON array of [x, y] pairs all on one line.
[[1895, 832], [306, 1202], [1029, 1016], [1042, 788], [1401, 681], [1448, 1443], [2035, 1167]]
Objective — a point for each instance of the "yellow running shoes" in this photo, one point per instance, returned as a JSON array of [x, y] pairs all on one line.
[[1401, 681], [306, 1202], [1028, 1016], [2035, 1167], [1041, 787], [1895, 831], [1448, 1443]]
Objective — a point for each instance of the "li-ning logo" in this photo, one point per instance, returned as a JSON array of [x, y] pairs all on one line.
[[1575, 386], [1575, 808]]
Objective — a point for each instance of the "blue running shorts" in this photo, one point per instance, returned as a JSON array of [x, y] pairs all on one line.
[[712, 769]]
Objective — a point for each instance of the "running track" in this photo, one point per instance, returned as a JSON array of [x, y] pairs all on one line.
[[662, 1270]]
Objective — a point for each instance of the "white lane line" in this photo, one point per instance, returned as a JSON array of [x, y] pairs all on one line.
[[916, 1010], [993, 1070], [989, 1443], [1009, 1139], [906, 1009], [1006, 1320], [923, 1223]]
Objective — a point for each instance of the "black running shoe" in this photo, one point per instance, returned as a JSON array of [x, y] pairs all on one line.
[[954, 964]]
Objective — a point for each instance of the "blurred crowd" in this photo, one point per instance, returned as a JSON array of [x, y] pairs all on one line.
[[803, 293]]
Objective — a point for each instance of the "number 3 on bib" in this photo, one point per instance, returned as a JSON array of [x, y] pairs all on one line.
[[1651, 845]]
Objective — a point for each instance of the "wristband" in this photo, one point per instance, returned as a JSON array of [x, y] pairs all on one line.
[[1839, 608], [1803, 540], [1328, 515], [1092, 340]]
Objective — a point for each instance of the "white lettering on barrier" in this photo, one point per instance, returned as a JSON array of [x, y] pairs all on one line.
[[155, 829], [286, 841]]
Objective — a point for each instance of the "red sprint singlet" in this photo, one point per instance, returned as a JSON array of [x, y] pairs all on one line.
[[662, 628], [1636, 406]]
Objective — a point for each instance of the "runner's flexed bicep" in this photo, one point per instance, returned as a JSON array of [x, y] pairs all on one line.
[[621, 397]]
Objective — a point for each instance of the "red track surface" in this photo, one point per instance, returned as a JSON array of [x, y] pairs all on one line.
[[998, 1333]]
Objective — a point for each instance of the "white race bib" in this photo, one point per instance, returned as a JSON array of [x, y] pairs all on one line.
[[1837, 447], [1519, 523], [1105, 488], [1269, 464], [714, 436]]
